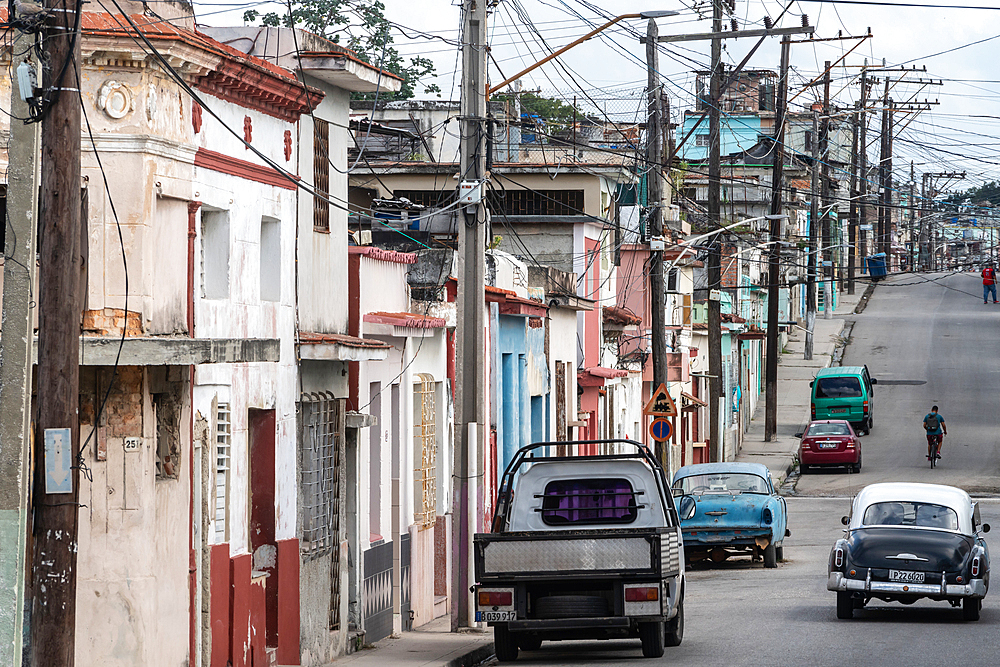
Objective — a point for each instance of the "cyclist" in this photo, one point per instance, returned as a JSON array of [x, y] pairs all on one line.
[[936, 428]]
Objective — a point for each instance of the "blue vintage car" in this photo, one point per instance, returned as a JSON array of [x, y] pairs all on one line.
[[737, 511]]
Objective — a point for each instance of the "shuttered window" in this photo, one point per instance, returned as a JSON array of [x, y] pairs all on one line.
[[321, 175]]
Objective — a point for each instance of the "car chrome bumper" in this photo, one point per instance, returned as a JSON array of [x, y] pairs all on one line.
[[974, 589]]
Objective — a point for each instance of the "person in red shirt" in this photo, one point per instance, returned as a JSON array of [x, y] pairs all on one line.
[[989, 283]]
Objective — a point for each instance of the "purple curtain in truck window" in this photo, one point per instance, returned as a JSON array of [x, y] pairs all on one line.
[[587, 501]]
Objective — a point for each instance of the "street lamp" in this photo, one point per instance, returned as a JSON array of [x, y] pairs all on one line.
[[660, 13]]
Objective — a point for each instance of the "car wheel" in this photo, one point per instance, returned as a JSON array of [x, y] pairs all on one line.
[[504, 644], [803, 468], [771, 555], [868, 425], [845, 605], [780, 553], [971, 608], [675, 627], [651, 635], [529, 642], [856, 468]]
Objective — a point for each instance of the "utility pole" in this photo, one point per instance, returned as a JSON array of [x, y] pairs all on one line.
[[825, 190], [863, 163], [654, 160], [924, 219], [716, 452], [911, 253], [470, 417], [852, 223], [887, 237], [777, 176], [813, 223], [15, 350], [56, 506]]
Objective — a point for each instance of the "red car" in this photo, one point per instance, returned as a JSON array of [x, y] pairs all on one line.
[[829, 442]]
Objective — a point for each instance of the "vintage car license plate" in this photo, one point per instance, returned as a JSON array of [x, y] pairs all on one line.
[[906, 577], [488, 616], [838, 410]]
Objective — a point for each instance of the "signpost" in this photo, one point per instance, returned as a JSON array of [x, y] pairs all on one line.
[[660, 404], [659, 430]]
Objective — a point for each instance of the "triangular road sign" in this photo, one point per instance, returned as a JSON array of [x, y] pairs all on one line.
[[660, 405]]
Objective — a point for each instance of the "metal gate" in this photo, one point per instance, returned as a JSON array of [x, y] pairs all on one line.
[[321, 454]]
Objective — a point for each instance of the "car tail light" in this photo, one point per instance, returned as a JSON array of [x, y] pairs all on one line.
[[643, 594], [975, 567], [496, 598], [850, 444], [838, 558], [768, 517], [805, 444], [864, 406]]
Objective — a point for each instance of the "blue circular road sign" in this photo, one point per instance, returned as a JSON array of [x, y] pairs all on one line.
[[660, 430]]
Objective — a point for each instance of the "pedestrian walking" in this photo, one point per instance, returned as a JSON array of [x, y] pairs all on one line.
[[989, 283]]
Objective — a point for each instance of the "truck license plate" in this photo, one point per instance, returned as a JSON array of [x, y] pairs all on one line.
[[490, 616], [838, 410], [903, 576]]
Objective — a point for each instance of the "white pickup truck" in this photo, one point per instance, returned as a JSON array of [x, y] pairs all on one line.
[[582, 547]]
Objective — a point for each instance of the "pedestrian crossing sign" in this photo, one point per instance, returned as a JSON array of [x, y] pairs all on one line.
[[660, 404]]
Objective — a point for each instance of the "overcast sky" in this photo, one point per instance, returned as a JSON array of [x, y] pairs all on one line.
[[957, 45]]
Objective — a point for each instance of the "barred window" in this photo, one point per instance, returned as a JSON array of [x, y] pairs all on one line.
[[321, 175]]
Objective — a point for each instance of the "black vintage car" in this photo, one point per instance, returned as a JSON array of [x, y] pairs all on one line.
[[910, 541]]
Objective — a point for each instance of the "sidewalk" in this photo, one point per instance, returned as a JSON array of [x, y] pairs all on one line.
[[429, 645], [794, 375]]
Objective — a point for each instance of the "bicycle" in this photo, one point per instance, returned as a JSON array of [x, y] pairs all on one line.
[[935, 443]]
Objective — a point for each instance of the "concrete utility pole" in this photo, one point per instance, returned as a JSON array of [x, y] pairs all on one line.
[[911, 253], [824, 147], [924, 219], [716, 452], [863, 162], [852, 223], [777, 176], [884, 177], [654, 182], [470, 413], [56, 505], [813, 228], [15, 350]]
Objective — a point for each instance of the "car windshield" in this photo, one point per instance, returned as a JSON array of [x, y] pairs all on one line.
[[927, 515], [589, 501], [827, 429], [723, 482], [838, 387]]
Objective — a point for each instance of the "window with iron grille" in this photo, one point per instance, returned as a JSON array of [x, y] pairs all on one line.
[[223, 467], [425, 456], [321, 175], [319, 465], [701, 140], [537, 202]]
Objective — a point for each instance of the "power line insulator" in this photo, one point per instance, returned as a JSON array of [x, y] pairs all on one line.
[[768, 23], [805, 20], [735, 26]]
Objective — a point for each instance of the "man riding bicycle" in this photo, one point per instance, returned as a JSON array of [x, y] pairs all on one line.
[[936, 428]]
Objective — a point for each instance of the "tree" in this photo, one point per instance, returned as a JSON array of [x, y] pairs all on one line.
[[557, 114], [368, 33]]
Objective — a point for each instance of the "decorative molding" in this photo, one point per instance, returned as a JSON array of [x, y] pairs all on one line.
[[242, 169], [108, 142]]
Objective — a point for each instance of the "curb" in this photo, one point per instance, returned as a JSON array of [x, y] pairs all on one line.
[[476, 656], [844, 338]]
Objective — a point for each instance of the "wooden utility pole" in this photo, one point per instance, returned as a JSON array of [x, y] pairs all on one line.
[[470, 412], [777, 176], [16, 344], [654, 182], [824, 148], [56, 505], [716, 452], [813, 236], [884, 166], [852, 223]]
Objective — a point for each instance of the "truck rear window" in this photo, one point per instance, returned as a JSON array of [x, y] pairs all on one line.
[[588, 501], [838, 387]]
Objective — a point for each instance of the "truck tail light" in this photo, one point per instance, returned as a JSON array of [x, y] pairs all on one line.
[[642, 594], [812, 409], [975, 567], [496, 598], [864, 406], [838, 558]]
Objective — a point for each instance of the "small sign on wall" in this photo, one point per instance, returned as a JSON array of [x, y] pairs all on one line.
[[133, 444], [58, 460]]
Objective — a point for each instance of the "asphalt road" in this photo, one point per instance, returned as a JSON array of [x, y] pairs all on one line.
[[928, 343], [738, 613]]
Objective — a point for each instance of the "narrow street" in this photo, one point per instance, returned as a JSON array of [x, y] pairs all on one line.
[[739, 613], [929, 341]]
